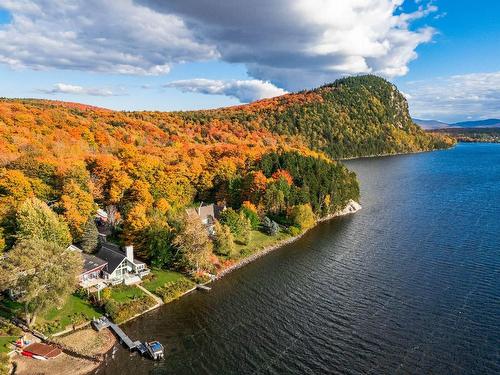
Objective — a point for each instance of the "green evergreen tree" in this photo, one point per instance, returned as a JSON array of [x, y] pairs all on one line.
[[90, 237]]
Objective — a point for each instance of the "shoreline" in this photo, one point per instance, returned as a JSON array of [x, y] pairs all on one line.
[[351, 208], [395, 154]]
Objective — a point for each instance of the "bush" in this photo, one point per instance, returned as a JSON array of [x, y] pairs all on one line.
[[174, 289], [120, 312], [231, 218], [302, 216], [294, 231], [49, 327], [251, 215], [223, 240], [239, 224], [270, 227], [9, 329], [4, 364]]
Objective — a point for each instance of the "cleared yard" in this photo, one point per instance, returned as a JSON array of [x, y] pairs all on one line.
[[124, 293], [258, 242], [158, 278], [5, 342], [74, 311]]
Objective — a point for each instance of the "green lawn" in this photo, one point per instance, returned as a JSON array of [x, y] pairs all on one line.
[[158, 278], [124, 293], [4, 343], [258, 242], [74, 311]]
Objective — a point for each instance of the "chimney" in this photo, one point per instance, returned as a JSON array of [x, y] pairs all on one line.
[[199, 208], [129, 252]]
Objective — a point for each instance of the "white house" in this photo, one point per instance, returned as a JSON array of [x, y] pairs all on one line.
[[121, 266]]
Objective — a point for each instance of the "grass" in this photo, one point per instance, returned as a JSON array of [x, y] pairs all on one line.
[[4, 343], [74, 310], [124, 293], [258, 242], [159, 278]]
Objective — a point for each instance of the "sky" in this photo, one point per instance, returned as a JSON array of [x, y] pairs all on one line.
[[193, 54]]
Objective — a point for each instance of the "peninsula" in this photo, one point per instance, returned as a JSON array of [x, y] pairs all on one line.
[[119, 212]]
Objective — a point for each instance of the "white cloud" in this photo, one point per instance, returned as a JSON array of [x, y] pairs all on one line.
[[304, 43], [63, 88], [243, 90], [456, 97], [96, 35], [293, 44]]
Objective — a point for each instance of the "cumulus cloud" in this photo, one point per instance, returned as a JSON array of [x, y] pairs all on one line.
[[306, 43], [96, 35], [293, 44], [243, 90], [454, 98], [63, 88]]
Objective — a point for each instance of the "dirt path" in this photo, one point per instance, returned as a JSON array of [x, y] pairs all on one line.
[[158, 300]]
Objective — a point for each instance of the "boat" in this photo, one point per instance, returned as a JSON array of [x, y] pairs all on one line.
[[142, 348], [39, 357], [155, 350]]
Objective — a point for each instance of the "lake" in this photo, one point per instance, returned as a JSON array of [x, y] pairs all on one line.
[[408, 285]]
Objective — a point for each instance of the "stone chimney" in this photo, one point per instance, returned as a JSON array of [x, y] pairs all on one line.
[[129, 252]]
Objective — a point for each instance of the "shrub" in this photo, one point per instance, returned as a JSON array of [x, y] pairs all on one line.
[[223, 240], [270, 226], [9, 329], [174, 289], [294, 231], [120, 312], [251, 214], [231, 218], [106, 294], [303, 216], [239, 224], [4, 364]]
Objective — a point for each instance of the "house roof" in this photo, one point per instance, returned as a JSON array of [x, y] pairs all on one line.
[[101, 213], [112, 254], [204, 212], [91, 262]]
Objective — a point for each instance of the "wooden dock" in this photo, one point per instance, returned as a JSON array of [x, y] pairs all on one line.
[[104, 322], [203, 287]]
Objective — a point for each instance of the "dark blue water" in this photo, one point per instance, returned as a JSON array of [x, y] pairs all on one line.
[[409, 285]]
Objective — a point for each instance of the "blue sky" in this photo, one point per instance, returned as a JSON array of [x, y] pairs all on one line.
[[187, 54]]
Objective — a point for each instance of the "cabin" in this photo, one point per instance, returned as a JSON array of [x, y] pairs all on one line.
[[121, 267], [207, 214], [93, 267], [110, 265]]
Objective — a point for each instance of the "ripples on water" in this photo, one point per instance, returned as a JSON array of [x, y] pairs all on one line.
[[409, 285]]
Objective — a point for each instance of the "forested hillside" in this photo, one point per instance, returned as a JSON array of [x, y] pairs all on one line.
[[271, 157], [355, 116]]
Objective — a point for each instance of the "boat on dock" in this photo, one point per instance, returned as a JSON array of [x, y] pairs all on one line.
[[155, 350]]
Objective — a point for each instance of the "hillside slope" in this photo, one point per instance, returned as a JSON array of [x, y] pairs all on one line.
[[147, 164], [355, 116]]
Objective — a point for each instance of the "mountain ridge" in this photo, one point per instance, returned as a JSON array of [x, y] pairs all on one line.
[[436, 124]]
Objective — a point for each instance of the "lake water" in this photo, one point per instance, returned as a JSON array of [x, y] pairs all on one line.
[[408, 285]]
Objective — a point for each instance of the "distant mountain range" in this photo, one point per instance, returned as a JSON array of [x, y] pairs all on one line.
[[434, 124]]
